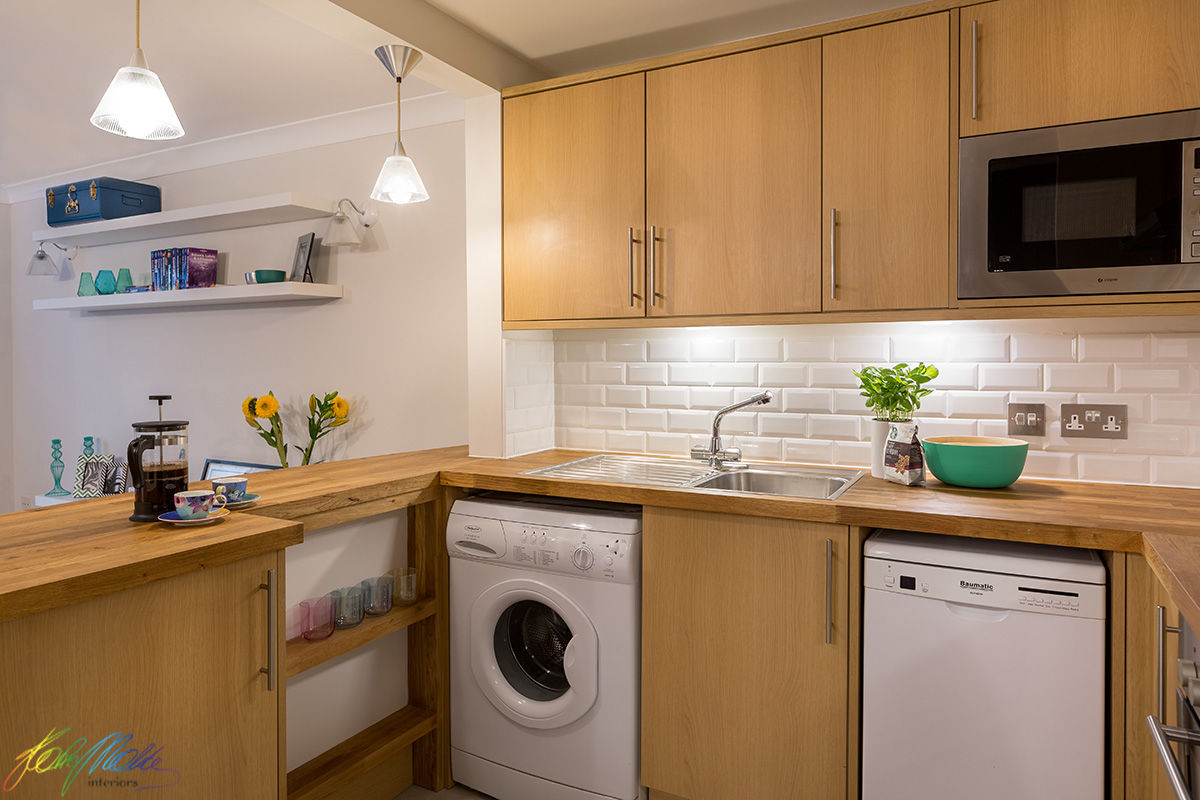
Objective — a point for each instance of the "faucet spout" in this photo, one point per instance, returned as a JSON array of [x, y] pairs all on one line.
[[715, 455]]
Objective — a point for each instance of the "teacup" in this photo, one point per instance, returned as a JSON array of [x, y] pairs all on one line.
[[234, 489], [197, 504]]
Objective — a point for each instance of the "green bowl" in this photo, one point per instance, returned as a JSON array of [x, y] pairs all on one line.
[[269, 275], [980, 462]]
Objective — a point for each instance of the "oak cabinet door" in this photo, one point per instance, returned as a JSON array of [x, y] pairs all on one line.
[[1037, 63], [886, 163], [173, 664], [742, 695], [574, 184], [733, 182]]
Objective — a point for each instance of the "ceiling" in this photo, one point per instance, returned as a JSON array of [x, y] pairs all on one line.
[[229, 66], [565, 36]]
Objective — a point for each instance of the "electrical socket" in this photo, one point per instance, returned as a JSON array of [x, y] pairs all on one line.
[[1095, 421], [1026, 419]]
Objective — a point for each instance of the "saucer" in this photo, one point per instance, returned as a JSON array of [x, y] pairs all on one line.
[[248, 499], [216, 515]]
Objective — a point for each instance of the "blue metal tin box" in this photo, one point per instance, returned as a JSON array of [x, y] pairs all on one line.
[[100, 198]]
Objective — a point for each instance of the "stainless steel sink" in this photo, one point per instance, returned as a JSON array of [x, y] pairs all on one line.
[[815, 483]]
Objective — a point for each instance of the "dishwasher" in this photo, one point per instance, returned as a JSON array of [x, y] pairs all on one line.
[[983, 669]]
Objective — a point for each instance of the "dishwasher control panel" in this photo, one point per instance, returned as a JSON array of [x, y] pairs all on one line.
[[986, 589]]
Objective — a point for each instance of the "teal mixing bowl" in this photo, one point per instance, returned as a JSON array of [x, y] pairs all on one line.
[[980, 462]]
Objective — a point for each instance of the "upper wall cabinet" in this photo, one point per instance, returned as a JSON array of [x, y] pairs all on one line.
[[574, 185], [733, 183], [886, 162], [1037, 63]]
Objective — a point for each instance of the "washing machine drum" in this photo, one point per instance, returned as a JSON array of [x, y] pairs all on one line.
[[533, 654]]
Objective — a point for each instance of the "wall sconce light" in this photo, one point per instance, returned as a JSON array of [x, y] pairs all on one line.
[[343, 231], [42, 264]]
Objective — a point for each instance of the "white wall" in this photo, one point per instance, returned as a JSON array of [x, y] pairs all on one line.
[[6, 372], [395, 345]]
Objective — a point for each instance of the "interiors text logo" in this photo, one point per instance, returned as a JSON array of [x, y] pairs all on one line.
[[133, 768]]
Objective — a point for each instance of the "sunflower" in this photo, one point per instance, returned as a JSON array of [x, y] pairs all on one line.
[[248, 407], [340, 407], [266, 406]]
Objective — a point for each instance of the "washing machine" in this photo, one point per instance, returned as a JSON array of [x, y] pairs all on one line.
[[545, 604]]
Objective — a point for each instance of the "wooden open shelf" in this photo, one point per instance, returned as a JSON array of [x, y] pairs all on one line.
[[303, 654], [359, 754]]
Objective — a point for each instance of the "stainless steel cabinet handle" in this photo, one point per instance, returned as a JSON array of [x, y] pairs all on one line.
[[1162, 735], [632, 267], [974, 69], [833, 254], [829, 591], [651, 261], [1161, 630], [270, 669]]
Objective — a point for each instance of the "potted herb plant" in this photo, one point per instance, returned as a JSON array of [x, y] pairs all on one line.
[[894, 394]]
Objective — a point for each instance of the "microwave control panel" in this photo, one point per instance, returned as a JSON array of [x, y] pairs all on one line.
[[1189, 250]]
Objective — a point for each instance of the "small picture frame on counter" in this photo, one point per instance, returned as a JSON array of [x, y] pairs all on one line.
[[301, 271], [91, 475], [224, 468]]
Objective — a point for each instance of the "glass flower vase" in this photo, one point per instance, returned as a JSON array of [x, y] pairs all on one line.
[[56, 469]]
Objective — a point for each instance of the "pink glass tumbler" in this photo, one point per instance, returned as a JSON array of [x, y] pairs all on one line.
[[318, 622]]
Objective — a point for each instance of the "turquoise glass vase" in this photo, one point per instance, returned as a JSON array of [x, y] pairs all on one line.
[[106, 282], [87, 287], [56, 469], [124, 281]]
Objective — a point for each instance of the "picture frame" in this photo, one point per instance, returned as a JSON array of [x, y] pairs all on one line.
[[118, 478], [301, 272], [225, 468], [91, 475]]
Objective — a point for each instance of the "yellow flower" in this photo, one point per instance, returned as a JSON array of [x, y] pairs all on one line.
[[250, 421], [312, 404], [340, 407], [266, 406], [248, 407]]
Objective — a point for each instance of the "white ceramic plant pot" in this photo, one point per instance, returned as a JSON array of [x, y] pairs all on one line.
[[879, 432]]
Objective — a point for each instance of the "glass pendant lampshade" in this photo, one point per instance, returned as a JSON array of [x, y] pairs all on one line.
[[42, 263], [136, 104], [340, 232], [398, 181]]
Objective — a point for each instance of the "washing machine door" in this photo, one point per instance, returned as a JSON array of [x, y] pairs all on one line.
[[534, 653]]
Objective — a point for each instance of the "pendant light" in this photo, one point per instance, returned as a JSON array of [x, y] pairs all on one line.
[[398, 180], [136, 104]]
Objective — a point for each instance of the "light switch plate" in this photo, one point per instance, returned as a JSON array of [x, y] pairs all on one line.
[[1094, 421], [1026, 419]]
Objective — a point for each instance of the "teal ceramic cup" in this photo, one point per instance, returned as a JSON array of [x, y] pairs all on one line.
[[234, 489], [977, 462]]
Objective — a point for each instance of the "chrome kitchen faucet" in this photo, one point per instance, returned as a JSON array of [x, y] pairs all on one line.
[[730, 458]]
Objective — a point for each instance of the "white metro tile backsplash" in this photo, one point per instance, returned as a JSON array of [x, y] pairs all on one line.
[[654, 391]]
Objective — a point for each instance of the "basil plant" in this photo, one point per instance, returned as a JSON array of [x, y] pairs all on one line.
[[894, 393]]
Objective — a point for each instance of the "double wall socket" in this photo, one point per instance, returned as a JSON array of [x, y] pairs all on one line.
[[1094, 421]]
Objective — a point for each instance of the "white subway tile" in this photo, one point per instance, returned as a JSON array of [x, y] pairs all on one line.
[[947, 427], [1138, 404], [740, 422], [759, 448], [1111, 468], [599, 372], [527, 419], [625, 351], [998, 427], [690, 374], [1055, 441], [534, 395], [1078, 377], [833, 375], [673, 349], [735, 374], [956, 376], [627, 396], [861, 348], [782, 424], [625, 441], [1167, 471], [775, 375], [606, 418], [685, 421], [1114, 347], [539, 373], [917, 348], [1041, 464], [1167, 440], [571, 416], [532, 441], [669, 444], [810, 349], [570, 372], [1043, 347], [849, 401], [1135, 378], [645, 419], [667, 396], [583, 395], [531, 352], [648, 374], [852, 454], [934, 405], [819, 400], [579, 351], [831, 426], [977, 404], [582, 439], [808, 451], [979, 348], [1010, 376], [1175, 347], [710, 349], [759, 350], [709, 397], [1182, 408]]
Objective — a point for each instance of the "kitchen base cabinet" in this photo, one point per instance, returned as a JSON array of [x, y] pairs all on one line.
[[157, 685], [745, 656]]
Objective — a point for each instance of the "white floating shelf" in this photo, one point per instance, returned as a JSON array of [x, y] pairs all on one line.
[[234, 294], [266, 210]]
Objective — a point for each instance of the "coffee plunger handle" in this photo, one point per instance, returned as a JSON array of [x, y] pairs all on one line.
[[160, 398]]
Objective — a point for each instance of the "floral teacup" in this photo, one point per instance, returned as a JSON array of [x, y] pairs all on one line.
[[234, 489], [197, 504]]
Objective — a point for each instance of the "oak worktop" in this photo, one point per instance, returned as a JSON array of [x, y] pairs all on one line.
[[56, 556]]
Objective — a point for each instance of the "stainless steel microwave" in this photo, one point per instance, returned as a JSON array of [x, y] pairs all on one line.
[[1091, 209]]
